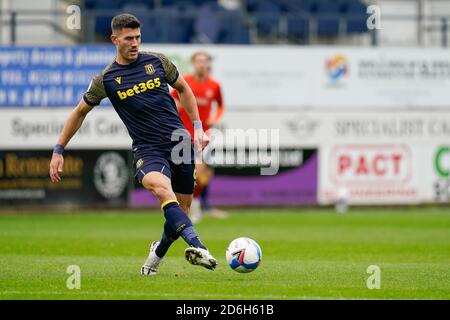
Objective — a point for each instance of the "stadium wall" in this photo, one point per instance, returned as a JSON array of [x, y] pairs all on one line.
[[373, 125], [402, 158]]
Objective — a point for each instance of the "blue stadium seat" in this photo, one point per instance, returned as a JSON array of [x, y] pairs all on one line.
[[298, 14], [208, 25], [115, 7], [103, 21], [203, 2], [89, 4], [140, 10], [197, 3], [184, 15], [166, 3], [356, 14], [267, 16], [104, 4], [180, 29], [343, 5], [285, 5], [294, 6], [233, 30], [182, 5], [150, 30], [311, 5], [237, 34], [328, 13], [250, 5], [148, 3], [166, 26], [241, 36], [297, 26]]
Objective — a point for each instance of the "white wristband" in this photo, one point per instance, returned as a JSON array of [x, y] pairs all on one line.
[[198, 125]]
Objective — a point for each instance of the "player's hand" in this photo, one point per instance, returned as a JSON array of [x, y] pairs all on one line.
[[201, 139], [56, 166]]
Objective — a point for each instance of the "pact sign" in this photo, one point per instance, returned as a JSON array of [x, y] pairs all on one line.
[[369, 173], [370, 164]]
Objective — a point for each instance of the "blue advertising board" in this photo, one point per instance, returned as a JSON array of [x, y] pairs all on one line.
[[49, 76]]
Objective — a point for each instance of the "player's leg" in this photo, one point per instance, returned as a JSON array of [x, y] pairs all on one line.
[[202, 178], [185, 201], [183, 181], [157, 183], [177, 220], [204, 198], [205, 174]]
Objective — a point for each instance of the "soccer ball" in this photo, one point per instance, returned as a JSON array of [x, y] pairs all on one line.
[[244, 255]]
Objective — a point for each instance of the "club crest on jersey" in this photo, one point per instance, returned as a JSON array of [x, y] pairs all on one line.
[[139, 163], [149, 69], [118, 79]]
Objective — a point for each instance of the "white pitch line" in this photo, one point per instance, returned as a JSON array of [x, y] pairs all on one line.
[[236, 296]]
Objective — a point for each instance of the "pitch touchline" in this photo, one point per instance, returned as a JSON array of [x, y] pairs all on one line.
[[175, 295]]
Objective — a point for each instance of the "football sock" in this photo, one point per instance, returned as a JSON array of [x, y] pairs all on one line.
[[181, 224], [168, 237]]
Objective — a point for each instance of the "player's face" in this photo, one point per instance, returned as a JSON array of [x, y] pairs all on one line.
[[201, 65], [127, 42]]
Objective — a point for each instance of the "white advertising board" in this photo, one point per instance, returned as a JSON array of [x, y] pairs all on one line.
[[40, 128], [370, 173], [379, 158], [35, 128], [293, 77], [315, 129], [388, 173]]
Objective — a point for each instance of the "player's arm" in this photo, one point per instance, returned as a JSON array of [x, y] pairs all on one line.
[[71, 126], [176, 99], [187, 100], [213, 120], [93, 97], [189, 103], [74, 122]]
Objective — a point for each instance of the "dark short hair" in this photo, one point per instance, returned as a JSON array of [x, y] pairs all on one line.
[[201, 53], [124, 20]]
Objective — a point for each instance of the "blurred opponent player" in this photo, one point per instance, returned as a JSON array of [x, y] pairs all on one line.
[[207, 91], [137, 84]]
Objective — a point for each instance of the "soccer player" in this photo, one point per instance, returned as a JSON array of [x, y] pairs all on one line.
[[207, 91], [137, 83]]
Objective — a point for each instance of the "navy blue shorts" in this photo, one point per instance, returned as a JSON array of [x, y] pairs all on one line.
[[182, 176]]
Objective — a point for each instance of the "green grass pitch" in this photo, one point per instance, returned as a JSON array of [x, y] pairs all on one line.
[[307, 254]]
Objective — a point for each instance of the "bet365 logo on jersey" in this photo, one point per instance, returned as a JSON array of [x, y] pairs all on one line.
[[139, 88]]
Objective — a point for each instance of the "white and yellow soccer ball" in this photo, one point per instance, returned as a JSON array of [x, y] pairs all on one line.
[[244, 255]]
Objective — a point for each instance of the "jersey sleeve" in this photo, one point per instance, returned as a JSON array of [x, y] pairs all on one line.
[[170, 70], [95, 92]]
